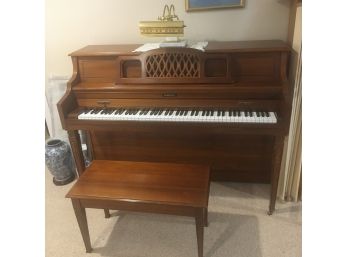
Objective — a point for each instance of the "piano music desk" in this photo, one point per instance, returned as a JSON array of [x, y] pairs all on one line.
[[165, 188]]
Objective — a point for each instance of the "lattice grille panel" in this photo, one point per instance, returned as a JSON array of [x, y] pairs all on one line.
[[172, 65]]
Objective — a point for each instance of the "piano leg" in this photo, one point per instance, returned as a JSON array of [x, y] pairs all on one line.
[[75, 144], [277, 159], [107, 213]]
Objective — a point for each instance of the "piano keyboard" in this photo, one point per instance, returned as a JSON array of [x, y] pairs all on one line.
[[217, 116]]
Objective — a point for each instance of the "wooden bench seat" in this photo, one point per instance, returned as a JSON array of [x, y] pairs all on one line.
[[166, 188]]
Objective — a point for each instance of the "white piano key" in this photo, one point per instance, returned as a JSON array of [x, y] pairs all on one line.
[[208, 118]]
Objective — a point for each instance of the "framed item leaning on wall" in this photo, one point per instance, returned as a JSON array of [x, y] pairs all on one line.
[[200, 5]]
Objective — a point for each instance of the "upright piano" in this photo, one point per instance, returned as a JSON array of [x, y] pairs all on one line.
[[227, 107]]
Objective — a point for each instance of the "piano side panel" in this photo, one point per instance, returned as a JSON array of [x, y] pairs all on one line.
[[261, 67], [239, 158], [98, 69]]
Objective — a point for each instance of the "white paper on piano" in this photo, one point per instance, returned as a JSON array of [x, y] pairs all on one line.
[[147, 47], [200, 45], [180, 43], [150, 46]]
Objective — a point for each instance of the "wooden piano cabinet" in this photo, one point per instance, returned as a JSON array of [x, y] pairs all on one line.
[[75, 143], [276, 163], [241, 75], [242, 158]]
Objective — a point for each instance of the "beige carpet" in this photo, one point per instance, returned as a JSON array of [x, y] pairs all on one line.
[[238, 227]]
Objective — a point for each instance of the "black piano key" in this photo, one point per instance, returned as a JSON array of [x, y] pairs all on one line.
[[177, 113], [258, 114], [85, 111], [267, 114], [223, 113], [262, 114], [230, 113], [238, 113]]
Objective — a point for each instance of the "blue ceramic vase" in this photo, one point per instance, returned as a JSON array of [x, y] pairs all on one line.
[[59, 161]]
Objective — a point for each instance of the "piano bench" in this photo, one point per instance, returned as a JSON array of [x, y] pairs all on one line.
[[165, 188]]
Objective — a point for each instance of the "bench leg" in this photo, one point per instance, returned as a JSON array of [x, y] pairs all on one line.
[[205, 217], [107, 213], [80, 213], [200, 230]]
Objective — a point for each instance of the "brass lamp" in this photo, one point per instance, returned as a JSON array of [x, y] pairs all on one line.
[[168, 25]]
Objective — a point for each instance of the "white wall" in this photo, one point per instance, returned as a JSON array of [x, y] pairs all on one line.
[[73, 24]]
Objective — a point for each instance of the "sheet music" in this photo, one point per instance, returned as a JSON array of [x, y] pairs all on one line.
[[200, 45], [147, 47], [150, 46]]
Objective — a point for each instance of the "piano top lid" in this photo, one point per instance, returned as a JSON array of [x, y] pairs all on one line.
[[213, 47]]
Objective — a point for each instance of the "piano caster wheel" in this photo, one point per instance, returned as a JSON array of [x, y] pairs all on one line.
[[270, 213]]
